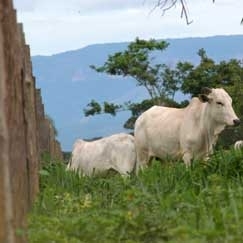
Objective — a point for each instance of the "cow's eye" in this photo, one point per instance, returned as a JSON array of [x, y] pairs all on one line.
[[220, 103]]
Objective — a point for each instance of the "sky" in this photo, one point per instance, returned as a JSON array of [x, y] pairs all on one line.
[[54, 26]]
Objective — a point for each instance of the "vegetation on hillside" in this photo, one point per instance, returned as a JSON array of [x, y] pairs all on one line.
[[164, 203]]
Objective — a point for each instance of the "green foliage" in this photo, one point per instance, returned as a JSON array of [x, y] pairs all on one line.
[[203, 75], [111, 108], [137, 62], [164, 203], [92, 108], [136, 109], [226, 74]]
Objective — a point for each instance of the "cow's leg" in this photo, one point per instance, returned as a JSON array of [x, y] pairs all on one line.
[[187, 158], [142, 160]]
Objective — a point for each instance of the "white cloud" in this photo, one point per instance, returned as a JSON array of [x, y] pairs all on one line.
[[80, 6], [24, 5], [60, 25]]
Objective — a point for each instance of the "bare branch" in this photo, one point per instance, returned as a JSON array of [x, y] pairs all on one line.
[[159, 4], [184, 11], [166, 5], [164, 9]]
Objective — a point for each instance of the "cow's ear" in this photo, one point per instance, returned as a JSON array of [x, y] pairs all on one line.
[[204, 98], [206, 90]]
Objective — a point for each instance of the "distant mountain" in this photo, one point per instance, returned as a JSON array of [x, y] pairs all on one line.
[[68, 84]]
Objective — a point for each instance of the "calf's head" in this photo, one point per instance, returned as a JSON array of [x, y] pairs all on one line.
[[220, 106]]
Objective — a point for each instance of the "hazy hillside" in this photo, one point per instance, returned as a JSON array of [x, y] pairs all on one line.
[[68, 83]]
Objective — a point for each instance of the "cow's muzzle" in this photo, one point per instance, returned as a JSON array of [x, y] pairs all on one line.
[[236, 122]]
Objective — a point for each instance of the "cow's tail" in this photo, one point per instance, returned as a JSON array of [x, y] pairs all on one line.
[[69, 166]]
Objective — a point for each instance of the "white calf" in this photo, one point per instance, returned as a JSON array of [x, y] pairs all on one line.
[[115, 152]]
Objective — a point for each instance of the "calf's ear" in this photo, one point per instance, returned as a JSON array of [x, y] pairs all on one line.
[[204, 98]]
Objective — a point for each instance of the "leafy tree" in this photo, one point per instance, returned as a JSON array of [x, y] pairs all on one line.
[[231, 76], [231, 73], [203, 75], [139, 63], [226, 74]]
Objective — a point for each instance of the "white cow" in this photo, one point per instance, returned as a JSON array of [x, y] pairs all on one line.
[[114, 152], [186, 133], [238, 144]]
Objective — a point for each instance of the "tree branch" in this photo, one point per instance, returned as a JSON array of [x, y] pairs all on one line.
[[166, 5], [184, 11]]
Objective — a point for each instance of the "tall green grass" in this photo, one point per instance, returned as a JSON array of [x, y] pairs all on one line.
[[164, 203]]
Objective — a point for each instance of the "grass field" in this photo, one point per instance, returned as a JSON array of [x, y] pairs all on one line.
[[165, 203]]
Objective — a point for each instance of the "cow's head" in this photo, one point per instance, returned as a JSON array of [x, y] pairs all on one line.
[[220, 106]]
